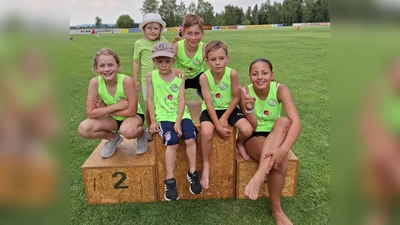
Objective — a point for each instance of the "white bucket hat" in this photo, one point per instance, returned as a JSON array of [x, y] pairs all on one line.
[[151, 18]]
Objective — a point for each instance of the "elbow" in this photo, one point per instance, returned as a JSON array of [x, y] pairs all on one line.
[[129, 113], [132, 114], [90, 116]]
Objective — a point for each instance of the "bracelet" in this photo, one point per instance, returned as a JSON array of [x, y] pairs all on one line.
[[249, 111]]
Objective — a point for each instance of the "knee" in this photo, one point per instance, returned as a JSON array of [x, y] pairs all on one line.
[[190, 142], [129, 133], [284, 166], [84, 130], [282, 124], [247, 131], [206, 134]]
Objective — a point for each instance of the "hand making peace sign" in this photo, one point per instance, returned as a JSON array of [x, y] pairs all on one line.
[[249, 100]]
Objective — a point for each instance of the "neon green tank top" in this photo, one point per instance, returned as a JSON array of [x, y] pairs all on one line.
[[221, 93], [166, 98], [191, 66], [266, 111], [108, 99]]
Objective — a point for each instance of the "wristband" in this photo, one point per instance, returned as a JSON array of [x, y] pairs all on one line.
[[250, 111]]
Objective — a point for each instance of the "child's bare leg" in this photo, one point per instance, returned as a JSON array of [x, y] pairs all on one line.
[[240, 147], [170, 158], [276, 181], [272, 141], [191, 154], [245, 131], [98, 128], [207, 130]]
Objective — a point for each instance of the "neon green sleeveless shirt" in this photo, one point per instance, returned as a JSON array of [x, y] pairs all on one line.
[[119, 93], [166, 98], [266, 111], [221, 93], [191, 66]]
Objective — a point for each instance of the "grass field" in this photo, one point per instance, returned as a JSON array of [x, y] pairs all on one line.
[[300, 60]]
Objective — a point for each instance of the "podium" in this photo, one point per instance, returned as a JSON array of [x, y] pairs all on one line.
[[127, 177]]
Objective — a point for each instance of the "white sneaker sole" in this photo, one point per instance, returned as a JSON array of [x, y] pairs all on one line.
[[165, 197]]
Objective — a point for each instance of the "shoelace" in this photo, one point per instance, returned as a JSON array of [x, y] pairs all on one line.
[[168, 187], [196, 180], [108, 142]]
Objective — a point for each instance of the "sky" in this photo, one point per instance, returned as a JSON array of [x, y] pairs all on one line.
[[85, 11]]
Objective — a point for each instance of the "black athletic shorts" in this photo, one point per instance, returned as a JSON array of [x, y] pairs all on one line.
[[257, 134], [232, 119]]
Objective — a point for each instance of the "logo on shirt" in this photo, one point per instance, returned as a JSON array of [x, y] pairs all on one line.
[[223, 86], [272, 102], [174, 88], [196, 61], [170, 104], [218, 100], [189, 70], [265, 114]]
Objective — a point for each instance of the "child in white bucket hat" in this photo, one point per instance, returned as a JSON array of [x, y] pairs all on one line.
[[152, 27]]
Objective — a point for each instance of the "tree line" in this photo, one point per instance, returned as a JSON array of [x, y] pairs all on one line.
[[287, 13]]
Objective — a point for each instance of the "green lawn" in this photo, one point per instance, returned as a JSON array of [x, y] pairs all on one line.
[[300, 60]]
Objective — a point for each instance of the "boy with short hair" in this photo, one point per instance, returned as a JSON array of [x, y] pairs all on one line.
[[190, 51], [170, 117], [222, 94]]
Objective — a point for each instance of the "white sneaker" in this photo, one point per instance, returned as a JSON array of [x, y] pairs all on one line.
[[110, 146], [149, 135], [141, 144]]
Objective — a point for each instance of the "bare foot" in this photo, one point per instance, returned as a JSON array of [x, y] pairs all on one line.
[[252, 188], [242, 151], [205, 173], [281, 219]]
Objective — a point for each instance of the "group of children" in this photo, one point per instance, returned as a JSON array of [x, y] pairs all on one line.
[[112, 104]]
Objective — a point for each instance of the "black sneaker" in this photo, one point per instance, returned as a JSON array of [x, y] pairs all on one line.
[[194, 180], [171, 193]]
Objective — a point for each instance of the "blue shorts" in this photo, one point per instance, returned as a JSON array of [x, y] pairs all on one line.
[[169, 135]]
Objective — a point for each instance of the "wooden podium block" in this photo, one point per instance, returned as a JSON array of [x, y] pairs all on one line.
[[222, 163], [222, 168], [123, 177], [195, 112], [246, 169]]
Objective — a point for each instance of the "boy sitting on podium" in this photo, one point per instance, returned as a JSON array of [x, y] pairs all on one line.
[[170, 117]]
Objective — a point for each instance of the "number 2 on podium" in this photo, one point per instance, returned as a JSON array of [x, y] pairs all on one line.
[[118, 184]]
